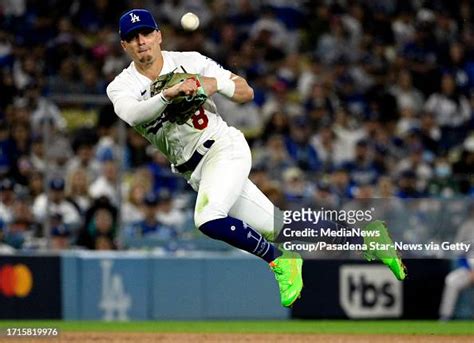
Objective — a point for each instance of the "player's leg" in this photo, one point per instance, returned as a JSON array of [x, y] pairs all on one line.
[[222, 178], [455, 282], [269, 221], [254, 208], [381, 247]]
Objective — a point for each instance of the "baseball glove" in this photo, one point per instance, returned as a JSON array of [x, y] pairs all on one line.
[[182, 107]]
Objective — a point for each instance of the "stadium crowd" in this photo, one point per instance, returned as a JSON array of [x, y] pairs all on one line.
[[353, 99]]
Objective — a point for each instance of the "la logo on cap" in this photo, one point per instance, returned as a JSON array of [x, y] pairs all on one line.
[[134, 18]]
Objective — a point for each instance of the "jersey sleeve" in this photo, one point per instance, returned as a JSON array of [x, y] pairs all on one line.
[[128, 105]]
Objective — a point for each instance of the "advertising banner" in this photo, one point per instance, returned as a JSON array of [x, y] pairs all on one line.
[[30, 287]]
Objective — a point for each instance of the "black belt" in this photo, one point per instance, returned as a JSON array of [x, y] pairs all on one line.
[[192, 163]]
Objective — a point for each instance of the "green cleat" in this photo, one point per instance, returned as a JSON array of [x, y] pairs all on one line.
[[381, 247], [288, 268]]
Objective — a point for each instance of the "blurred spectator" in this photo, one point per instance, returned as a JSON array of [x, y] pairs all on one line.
[[348, 132], [419, 55], [385, 188], [320, 106], [279, 100], [60, 234], [274, 157], [445, 29], [99, 230], [430, 133], [4, 247], [278, 124], [298, 145], [407, 186], [162, 176], [106, 184], [406, 95], [442, 184], [324, 142], [55, 202], [132, 206], [91, 83], [336, 43], [42, 108], [26, 71], [309, 77], [136, 149], [340, 183], [268, 30], [77, 189], [67, 80], [114, 62], [24, 170], [108, 147], [451, 110], [168, 213], [21, 138], [362, 168], [65, 44], [460, 67], [364, 191], [323, 197], [23, 227], [415, 163], [403, 26], [37, 155], [463, 167], [6, 150], [36, 184], [245, 117], [150, 226], [296, 189], [57, 148], [7, 85], [7, 200], [83, 146]]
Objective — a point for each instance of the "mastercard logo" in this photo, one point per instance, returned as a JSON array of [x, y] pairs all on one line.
[[15, 280]]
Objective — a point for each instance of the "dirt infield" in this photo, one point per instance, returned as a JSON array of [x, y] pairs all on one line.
[[114, 337]]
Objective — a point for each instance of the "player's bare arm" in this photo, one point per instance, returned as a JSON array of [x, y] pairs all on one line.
[[242, 93]]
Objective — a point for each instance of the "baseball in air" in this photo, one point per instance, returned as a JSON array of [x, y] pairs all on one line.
[[190, 21]]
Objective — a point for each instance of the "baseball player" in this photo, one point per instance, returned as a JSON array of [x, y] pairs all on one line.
[[214, 158], [460, 278]]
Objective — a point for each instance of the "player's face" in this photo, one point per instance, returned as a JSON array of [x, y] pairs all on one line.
[[143, 46]]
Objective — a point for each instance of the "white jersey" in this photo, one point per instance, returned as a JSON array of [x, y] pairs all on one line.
[[230, 155], [176, 142]]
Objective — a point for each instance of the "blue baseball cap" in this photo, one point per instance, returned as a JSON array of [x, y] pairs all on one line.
[[151, 199], [57, 184], [134, 20]]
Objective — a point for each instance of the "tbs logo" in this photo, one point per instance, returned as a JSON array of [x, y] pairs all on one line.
[[369, 292]]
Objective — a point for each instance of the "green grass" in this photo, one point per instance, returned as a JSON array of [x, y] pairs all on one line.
[[294, 326]]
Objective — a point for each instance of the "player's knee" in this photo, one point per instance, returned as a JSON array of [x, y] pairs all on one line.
[[207, 214]]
